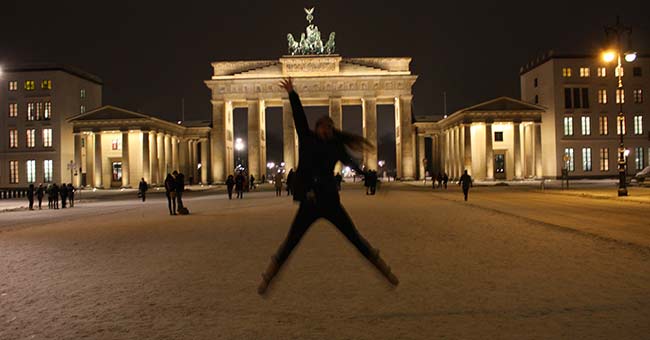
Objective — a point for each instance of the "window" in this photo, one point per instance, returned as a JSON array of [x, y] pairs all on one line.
[[29, 85], [31, 171], [536, 99], [535, 82], [602, 72], [13, 172], [638, 159], [570, 164], [638, 96], [568, 126], [31, 138], [619, 70], [498, 136], [586, 125], [47, 170], [117, 171], [620, 124], [116, 143], [82, 93], [636, 71], [576, 97], [638, 125], [603, 129], [47, 138], [39, 111], [47, 111], [566, 72], [620, 96], [604, 159], [46, 85], [13, 110], [13, 85], [82, 109], [13, 138], [584, 72], [31, 110], [602, 96], [586, 159]]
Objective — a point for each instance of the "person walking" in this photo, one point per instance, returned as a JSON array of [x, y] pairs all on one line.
[[252, 183], [290, 177], [142, 189], [55, 196], [466, 181], [50, 201], [63, 192], [71, 191], [278, 184], [445, 179], [315, 187], [170, 192], [179, 179], [40, 192], [373, 182], [230, 183], [30, 196], [239, 185]]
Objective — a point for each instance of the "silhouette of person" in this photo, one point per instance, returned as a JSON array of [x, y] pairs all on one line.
[[170, 192], [466, 181], [230, 183], [142, 188]]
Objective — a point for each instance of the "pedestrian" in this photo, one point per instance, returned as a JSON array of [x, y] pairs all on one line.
[[230, 183], [71, 191], [466, 181], [239, 185], [252, 182], [55, 196], [39, 195], [180, 188], [170, 192], [50, 203], [290, 177], [142, 189], [30, 196], [445, 179], [278, 183], [439, 179], [63, 192], [315, 187], [263, 179], [366, 182], [373, 182]]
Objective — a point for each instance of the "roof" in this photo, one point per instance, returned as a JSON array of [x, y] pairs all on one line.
[[108, 112], [503, 104], [40, 67], [553, 55]]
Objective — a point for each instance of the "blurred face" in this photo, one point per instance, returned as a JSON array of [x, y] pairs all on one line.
[[325, 128]]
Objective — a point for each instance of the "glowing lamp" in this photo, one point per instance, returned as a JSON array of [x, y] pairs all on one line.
[[609, 56], [630, 57]]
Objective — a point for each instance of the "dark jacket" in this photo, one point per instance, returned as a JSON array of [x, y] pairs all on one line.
[[230, 182], [170, 184], [180, 183], [239, 182], [143, 187], [316, 159], [465, 180]]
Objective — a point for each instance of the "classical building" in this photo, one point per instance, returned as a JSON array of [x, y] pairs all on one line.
[[36, 101]]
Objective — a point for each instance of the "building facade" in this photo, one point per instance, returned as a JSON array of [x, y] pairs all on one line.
[[35, 102]]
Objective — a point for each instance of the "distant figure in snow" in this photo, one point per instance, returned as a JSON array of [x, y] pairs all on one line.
[[466, 182]]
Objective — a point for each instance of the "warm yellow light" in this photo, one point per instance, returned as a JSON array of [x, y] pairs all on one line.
[[609, 56]]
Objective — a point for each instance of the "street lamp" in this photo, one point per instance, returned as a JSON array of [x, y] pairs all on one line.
[[239, 146], [616, 54]]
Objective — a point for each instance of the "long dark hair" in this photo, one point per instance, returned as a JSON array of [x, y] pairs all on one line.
[[354, 142]]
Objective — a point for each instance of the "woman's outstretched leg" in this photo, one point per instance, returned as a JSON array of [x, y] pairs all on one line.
[[307, 214], [340, 218]]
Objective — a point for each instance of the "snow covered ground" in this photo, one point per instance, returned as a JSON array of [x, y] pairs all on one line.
[[508, 264]]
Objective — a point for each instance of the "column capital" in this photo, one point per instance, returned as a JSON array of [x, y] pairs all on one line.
[[406, 97]]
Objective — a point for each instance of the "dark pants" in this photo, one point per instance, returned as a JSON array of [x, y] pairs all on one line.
[[465, 192], [308, 213], [240, 193], [144, 196], [278, 191], [179, 199], [171, 204], [230, 193], [40, 200], [373, 189], [31, 203], [64, 200], [71, 198]]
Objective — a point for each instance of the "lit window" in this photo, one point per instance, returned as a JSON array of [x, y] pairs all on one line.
[[604, 159], [498, 136], [602, 72], [117, 171], [31, 138], [586, 159], [116, 143], [636, 71], [566, 72], [82, 93], [29, 85], [638, 159], [47, 170], [620, 96], [570, 164], [39, 111], [47, 111], [31, 111], [13, 138], [602, 126], [31, 171], [602, 96], [638, 125], [13, 110], [13, 85], [638, 96], [584, 72], [82, 109], [620, 125], [586, 125], [46, 85], [568, 126], [47, 138], [619, 70], [13, 172]]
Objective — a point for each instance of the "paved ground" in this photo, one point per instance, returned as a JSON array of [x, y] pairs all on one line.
[[508, 264]]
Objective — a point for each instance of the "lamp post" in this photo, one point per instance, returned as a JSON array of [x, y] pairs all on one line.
[[616, 54], [239, 146]]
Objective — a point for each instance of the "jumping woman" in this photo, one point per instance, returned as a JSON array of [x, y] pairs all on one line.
[[315, 187]]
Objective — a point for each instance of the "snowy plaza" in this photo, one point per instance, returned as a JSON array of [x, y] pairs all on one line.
[[511, 263]]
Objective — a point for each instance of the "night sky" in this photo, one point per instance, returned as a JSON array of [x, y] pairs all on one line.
[[152, 54]]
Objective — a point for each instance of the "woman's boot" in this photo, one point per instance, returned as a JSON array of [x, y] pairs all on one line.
[[268, 275]]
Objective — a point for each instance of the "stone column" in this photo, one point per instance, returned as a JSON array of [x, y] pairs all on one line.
[[290, 146], [182, 157], [175, 165], [421, 153], [153, 157], [77, 159], [97, 172], [460, 156], [168, 154], [146, 165], [446, 151], [195, 164], [204, 162], [489, 152], [369, 123], [517, 148], [538, 150], [452, 152], [254, 141], [406, 138], [125, 159], [160, 148], [467, 148], [336, 113], [221, 138]]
